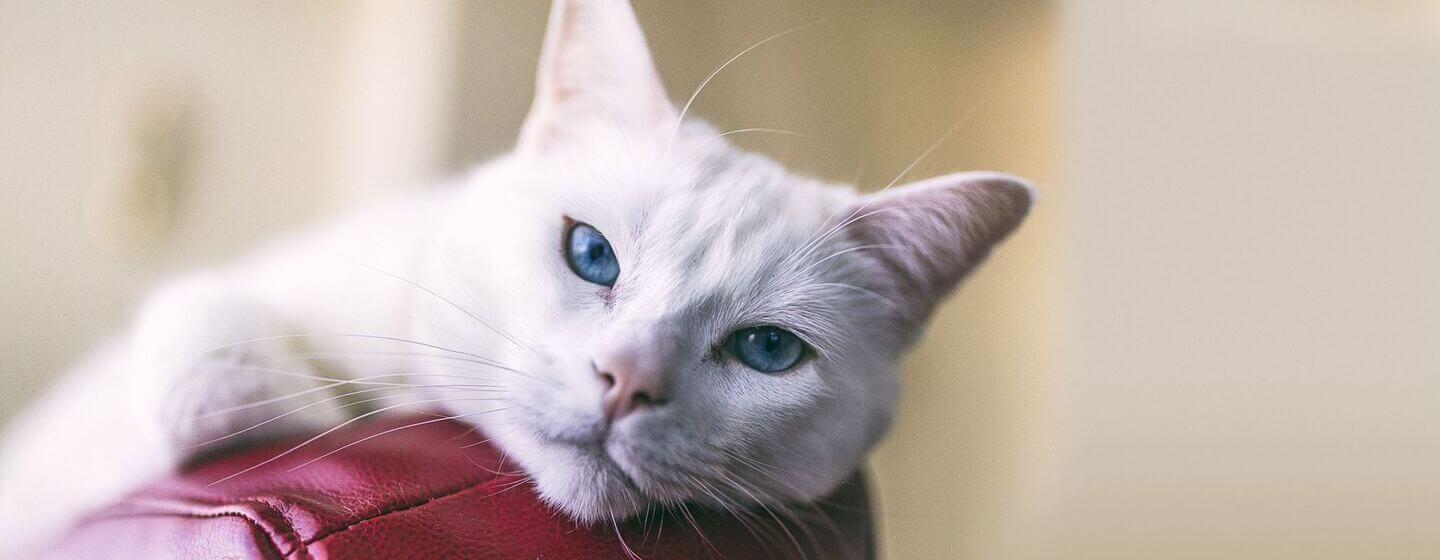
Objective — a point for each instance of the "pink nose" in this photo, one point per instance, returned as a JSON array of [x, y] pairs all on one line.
[[633, 380]]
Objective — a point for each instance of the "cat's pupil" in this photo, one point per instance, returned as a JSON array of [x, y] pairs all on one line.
[[772, 342]]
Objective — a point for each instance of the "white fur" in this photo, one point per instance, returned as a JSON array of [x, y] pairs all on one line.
[[710, 240]]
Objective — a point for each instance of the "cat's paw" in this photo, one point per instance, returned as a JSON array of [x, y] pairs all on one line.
[[213, 368]]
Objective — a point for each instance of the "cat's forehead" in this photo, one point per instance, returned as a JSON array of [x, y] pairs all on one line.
[[699, 191], [717, 223], [727, 210]]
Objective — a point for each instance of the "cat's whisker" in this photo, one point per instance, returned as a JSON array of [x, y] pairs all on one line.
[[489, 362], [819, 513], [741, 512], [707, 141], [260, 403], [282, 416], [761, 503], [818, 516], [845, 251], [798, 257], [391, 431], [326, 387], [453, 338], [361, 381], [664, 514], [332, 430], [818, 237], [726, 505], [477, 444], [851, 218], [466, 342], [758, 464], [645, 524], [407, 356], [894, 306], [301, 408], [685, 110], [621, 537], [462, 370], [765, 469], [832, 232], [906, 171], [440, 252], [501, 470], [474, 428], [511, 486], [690, 518], [437, 295], [363, 402], [375, 337]]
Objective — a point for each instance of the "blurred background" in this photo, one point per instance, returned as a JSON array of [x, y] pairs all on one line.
[[1218, 337]]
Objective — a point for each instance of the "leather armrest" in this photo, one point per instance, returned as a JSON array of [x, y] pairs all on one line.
[[434, 490]]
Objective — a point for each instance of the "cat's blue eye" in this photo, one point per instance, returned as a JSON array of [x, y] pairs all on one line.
[[767, 349], [590, 255]]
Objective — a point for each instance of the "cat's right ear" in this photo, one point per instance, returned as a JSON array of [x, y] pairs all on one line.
[[595, 71]]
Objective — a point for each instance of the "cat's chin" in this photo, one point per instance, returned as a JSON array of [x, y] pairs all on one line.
[[582, 481], [588, 486]]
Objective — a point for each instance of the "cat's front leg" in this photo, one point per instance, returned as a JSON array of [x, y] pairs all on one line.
[[205, 366], [214, 367]]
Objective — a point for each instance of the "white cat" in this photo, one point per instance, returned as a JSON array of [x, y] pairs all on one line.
[[636, 312]]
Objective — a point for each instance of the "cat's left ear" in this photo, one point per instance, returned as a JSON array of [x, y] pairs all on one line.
[[930, 234], [595, 71]]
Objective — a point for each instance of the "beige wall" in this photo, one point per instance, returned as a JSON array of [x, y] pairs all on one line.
[[1253, 358], [82, 89], [1217, 337], [142, 137]]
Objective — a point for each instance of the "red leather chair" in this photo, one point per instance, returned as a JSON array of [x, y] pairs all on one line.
[[434, 490]]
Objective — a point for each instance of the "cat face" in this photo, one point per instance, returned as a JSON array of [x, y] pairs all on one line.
[[679, 320]]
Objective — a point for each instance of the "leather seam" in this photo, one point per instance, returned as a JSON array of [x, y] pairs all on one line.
[[271, 547], [401, 508], [285, 533], [290, 531]]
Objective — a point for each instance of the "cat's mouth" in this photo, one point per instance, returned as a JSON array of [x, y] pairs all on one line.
[[597, 445], [589, 436], [606, 449], [604, 452]]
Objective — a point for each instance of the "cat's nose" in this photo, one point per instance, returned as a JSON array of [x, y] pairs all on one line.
[[633, 380]]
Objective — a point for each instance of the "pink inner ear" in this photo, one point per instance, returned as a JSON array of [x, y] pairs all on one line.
[[929, 235], [595, 69]]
